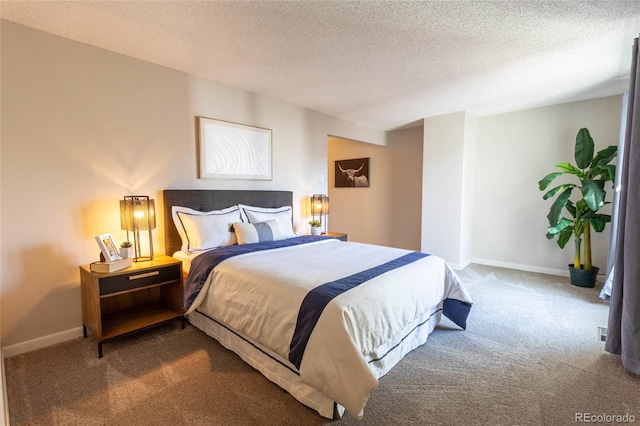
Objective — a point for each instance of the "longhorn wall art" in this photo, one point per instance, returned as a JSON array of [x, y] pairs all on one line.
[[233, 151], [352, 173]]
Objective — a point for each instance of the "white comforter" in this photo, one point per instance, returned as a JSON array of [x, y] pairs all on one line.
[[259, 296]]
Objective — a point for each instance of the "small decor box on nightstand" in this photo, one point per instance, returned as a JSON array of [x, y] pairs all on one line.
[[119, 303]]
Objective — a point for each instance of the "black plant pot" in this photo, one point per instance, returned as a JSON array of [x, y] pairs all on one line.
[[583, 277]]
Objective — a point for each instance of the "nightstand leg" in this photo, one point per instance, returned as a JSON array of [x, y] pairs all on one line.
[[99, 349], [84, 331]]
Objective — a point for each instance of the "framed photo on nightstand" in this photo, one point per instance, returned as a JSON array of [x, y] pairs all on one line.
[[108, 247]]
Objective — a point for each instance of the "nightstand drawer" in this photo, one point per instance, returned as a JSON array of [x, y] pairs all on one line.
[[124, 282]]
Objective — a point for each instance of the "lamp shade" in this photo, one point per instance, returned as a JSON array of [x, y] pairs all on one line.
[[137, 213], [320, 208], [319, 205]]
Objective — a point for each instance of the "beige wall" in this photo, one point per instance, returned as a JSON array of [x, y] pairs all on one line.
[[82, 127], [447, 186], [514, 152], [468, 188], [388, 212]]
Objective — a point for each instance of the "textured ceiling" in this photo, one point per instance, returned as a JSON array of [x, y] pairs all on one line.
[[382, 64]]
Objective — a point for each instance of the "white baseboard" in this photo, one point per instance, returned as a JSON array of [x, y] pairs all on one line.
[[41, 342], [460, 266], [519, 267], [528, 268]]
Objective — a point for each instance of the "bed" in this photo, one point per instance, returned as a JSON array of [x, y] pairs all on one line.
[[322, 318]]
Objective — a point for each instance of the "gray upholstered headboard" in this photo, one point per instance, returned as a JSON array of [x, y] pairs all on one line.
[[207, 200]]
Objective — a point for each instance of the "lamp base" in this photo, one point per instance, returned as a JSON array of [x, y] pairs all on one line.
[[136, 247]]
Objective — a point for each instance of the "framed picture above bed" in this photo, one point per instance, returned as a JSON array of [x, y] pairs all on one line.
[[233, 151]]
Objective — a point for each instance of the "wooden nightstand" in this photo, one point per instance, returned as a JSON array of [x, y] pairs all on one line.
[[119, 303], [337, 235]]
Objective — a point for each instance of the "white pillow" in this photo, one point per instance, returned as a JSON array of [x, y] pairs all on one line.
[[282, 215], [249, 233], [205, 230]]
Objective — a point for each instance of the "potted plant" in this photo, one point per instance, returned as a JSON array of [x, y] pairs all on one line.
[[591, 172], [315, 227], [126, 250]]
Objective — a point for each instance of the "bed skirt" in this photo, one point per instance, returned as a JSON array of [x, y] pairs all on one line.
[[285, 375]]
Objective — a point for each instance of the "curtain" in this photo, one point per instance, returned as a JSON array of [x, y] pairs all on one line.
[[605, 293], [623, 334]]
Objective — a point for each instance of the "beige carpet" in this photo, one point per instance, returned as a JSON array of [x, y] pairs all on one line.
[[530, 356]]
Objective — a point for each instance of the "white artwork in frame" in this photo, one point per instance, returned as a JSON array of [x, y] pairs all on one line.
[[234, 151]]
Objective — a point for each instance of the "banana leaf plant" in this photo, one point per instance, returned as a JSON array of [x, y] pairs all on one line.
[[591, 172]]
